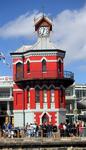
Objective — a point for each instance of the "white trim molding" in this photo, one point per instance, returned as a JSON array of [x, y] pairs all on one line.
[[18, 62], [37, 61]]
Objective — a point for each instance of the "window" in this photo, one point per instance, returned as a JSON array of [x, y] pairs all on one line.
[[84, 93], [44, 66], [28, 66], [4, 92], [61, 95], [80, 93], [44, 96], [37, 96], [59, 66], [52, 95], [28, 95], [19, 70]]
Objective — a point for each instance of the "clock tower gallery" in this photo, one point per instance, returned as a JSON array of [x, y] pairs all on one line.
[[40, 80]]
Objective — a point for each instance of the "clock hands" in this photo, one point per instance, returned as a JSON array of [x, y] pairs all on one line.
[[43, 31]]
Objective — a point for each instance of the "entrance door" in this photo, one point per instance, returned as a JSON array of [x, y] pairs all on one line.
[[45, 118]]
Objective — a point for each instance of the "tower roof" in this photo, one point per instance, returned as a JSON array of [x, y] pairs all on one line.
[[43, 43], [42, 21]]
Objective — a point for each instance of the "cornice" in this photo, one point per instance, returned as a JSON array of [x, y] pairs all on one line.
[[39, 53]]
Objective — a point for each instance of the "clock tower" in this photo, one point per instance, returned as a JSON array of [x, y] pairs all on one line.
[[43, 27], [40, 80]]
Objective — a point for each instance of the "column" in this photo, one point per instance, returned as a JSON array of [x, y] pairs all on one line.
[[8, 108], [11, 91], [25, 98], [32, 98], [64, 101], [73, 88], [57, 98]]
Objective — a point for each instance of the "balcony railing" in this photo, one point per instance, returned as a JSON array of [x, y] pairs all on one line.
[[68, 74], [50, 74]]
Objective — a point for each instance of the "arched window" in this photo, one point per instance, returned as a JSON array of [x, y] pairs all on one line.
[[28, 66], [19, 70], [37, 95], [28, 95], [59, 66], [61, 95], [52, 95], [44, 95], [45, 118], [44, 66]]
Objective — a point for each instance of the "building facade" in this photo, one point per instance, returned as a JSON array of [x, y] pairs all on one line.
[[40, 79], [6, 99], [76, 102]]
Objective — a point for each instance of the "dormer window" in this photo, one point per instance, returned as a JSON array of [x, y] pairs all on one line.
[[44, 66], [28, 67]]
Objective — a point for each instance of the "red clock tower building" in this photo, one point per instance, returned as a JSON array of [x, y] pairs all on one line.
[[40, 80]]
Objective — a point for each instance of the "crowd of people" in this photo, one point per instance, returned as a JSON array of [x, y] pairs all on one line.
[[45, 130], [76, 128], [66, 129]]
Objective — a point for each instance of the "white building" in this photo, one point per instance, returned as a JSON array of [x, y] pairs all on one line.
[[6, 99], [75, 94]]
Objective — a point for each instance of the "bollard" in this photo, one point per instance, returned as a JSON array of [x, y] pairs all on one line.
[[18, 134]]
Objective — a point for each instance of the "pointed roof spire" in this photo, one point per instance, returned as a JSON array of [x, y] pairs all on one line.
[[39, 22]]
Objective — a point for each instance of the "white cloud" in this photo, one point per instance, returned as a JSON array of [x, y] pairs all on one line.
[[70, 33], [22, 26]]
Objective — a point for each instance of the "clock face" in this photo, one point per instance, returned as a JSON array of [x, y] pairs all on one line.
[[43, 31]]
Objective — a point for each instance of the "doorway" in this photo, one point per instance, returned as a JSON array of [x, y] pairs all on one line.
[[45, 118]]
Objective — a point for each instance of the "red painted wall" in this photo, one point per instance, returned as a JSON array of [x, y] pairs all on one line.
[[57, 99], [36, 67], [36, 72], [53, 118], [38, 116], [18, 100]]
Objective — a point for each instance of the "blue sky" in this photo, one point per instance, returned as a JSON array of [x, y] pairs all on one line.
[[69, 30]]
